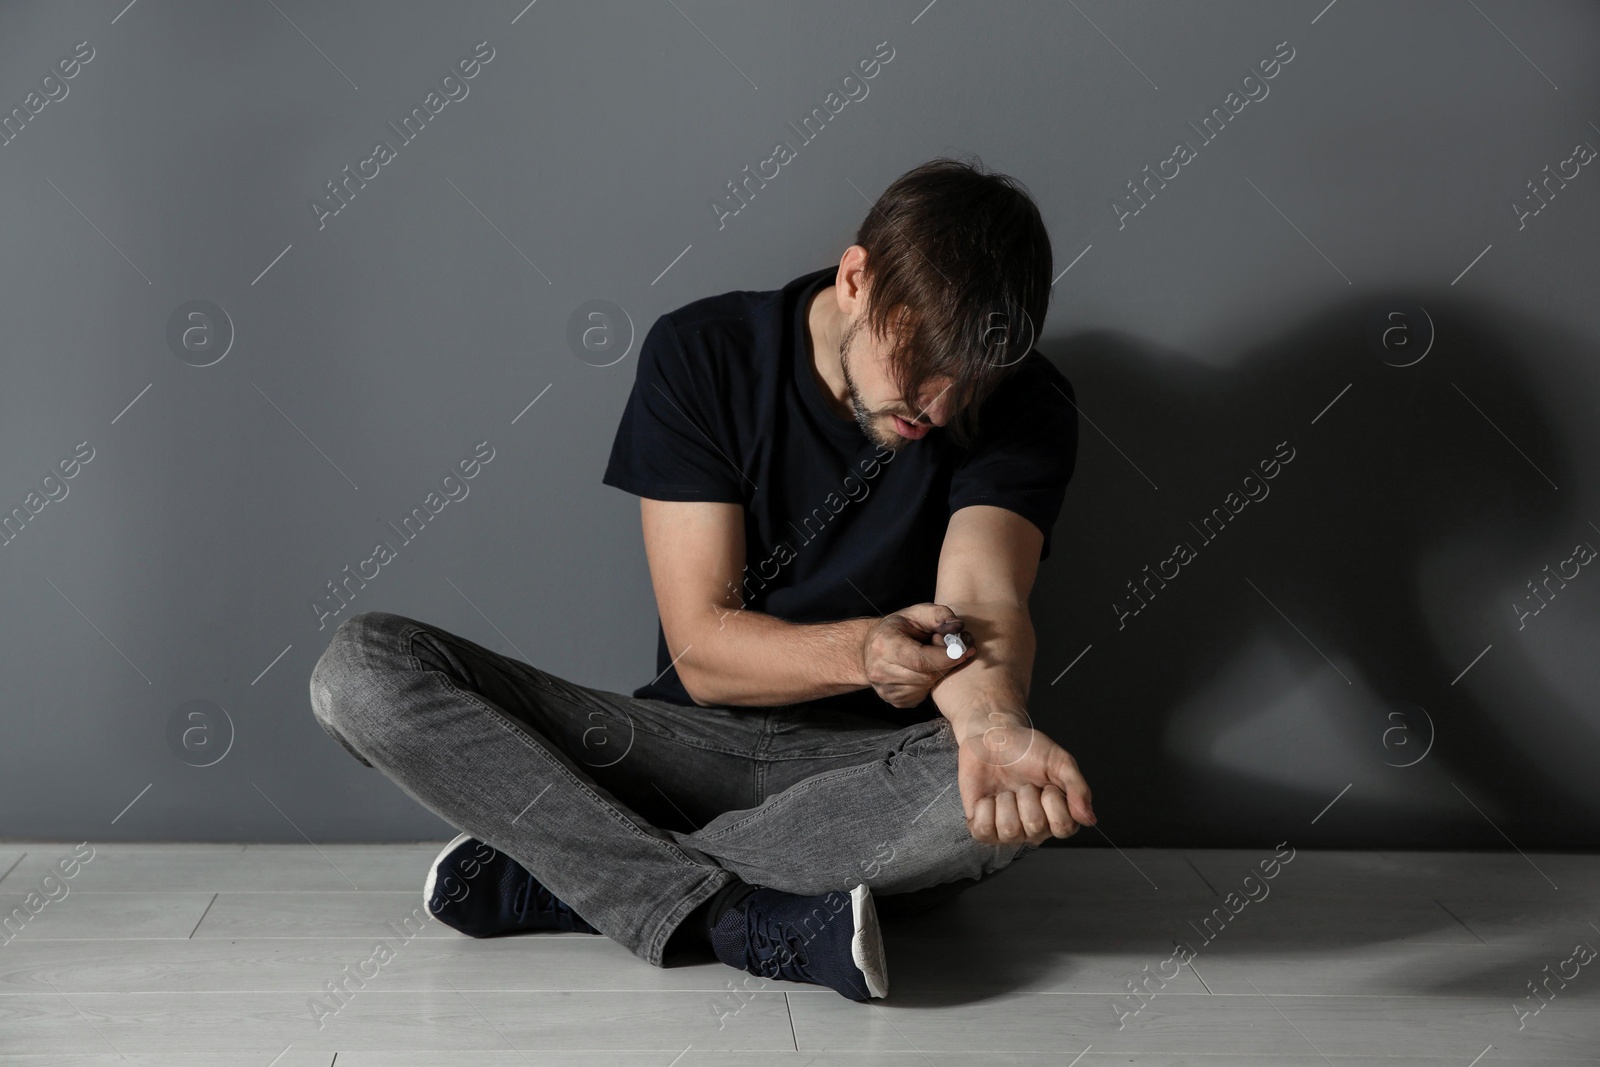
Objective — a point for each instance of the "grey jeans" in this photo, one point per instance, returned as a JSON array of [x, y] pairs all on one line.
[[636, 811]]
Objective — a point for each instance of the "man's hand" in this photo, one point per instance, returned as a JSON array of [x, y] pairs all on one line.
[[1017, 785], [904, 654]]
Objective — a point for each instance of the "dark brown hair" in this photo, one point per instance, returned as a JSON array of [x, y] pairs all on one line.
[[958, 265]]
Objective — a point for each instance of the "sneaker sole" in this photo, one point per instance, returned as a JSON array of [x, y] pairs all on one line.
[[866, 946], [433, 872]]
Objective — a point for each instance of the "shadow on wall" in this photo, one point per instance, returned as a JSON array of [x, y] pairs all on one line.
[[1327, 627]]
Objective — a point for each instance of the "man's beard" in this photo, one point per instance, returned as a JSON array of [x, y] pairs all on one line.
[[864, 418]]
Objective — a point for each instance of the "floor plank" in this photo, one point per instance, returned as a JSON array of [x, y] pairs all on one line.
[[1392, 969], [238, 868], [387, 1020], [401, 916], [694, 1057], [263, 1057], [105, 916], [536, 962]]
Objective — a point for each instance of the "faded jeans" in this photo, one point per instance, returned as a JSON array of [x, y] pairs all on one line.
[[636, 811]]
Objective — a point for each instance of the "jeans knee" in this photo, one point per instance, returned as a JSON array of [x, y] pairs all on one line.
[[349, 670], [362, 650], [326, 705]]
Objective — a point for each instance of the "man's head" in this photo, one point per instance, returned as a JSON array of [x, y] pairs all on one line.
[[943, 291]]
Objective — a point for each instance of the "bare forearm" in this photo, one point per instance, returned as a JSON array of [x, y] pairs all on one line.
[[749, 658], [996, 681]]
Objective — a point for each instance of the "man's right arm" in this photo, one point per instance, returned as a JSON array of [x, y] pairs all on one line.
[[723, 653]]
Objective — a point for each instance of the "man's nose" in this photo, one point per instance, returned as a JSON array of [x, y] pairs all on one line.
[[936, 407]]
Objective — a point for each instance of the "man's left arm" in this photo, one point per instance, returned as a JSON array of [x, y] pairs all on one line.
[[1016, 783], [987, 568]]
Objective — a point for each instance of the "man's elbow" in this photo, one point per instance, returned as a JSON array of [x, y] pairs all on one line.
[[688, 633], [696, 681], [694, 686]]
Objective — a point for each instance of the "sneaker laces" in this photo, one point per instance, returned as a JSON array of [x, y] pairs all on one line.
[[525, 897], [778, 949], [533, 895]]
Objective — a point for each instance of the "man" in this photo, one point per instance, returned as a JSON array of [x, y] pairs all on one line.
[[874, 435]]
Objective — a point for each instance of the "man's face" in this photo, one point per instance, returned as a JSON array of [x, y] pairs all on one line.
[[886, 418]]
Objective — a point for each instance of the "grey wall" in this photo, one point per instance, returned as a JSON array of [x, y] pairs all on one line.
[[1350, 639]]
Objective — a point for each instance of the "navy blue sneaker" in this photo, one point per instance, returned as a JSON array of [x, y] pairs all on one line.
[[830, 940], [485, 893]]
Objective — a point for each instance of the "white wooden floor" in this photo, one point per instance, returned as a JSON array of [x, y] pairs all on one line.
[[211, 954]]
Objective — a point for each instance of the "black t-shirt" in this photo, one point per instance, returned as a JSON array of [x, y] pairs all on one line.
[[726, 407]]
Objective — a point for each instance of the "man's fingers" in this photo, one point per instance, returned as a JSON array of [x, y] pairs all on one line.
[[906, 675], [981, 823], [1007, 824], [927, 617], [925, 660], [1082, 810], [1031, 811], [1076, 790], [1055, 808]]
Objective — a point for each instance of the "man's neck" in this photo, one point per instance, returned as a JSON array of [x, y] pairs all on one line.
[[824, 328]]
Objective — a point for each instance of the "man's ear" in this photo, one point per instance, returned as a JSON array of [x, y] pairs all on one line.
[[852, 283]]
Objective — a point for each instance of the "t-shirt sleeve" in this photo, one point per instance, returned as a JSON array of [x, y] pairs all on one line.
[[1025, 450], [670, 445]]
